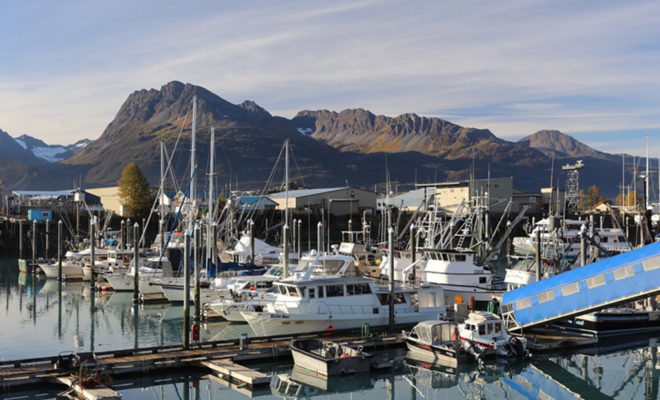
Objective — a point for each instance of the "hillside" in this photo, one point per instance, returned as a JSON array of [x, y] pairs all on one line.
[[330, 148]]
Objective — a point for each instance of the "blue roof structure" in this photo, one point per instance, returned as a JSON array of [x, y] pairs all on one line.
[[615, 280]]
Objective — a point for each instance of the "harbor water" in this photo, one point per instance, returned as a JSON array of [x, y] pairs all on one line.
[[44, 318]]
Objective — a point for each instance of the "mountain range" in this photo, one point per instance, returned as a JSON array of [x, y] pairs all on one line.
[[330, 148]]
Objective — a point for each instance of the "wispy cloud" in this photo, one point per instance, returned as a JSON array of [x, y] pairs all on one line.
[[512, 67]]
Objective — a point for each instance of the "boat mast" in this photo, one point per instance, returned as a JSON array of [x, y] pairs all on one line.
[[209, 234], [191, 221], [646, 180], [285, 241], [161, 225]]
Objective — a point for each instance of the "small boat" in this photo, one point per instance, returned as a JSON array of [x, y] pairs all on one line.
[[329, 358], [435, 342], [483, 335]]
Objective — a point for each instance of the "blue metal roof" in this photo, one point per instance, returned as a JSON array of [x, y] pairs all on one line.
[[582, 273], [249, 200], [44, 193]]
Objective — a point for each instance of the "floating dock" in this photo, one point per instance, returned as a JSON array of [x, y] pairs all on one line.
[[219, 358]]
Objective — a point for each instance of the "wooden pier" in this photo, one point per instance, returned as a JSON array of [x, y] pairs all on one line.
[[219, 358]]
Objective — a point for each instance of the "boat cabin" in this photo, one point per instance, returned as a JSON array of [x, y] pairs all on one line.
[[435, 332], [484, 326]]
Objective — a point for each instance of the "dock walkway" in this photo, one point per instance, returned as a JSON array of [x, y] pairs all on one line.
[[217, 357]]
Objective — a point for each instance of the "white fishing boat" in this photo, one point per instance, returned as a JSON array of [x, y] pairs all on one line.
[[458, 275], [317, 304], [484, 335], [566, 237]]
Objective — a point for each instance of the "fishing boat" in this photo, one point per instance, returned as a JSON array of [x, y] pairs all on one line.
[[484, 335], [328, 358], [460, 277], [435, 342]]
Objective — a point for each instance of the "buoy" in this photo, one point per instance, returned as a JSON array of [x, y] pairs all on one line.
[[195, 332], [458, 299], [454, 335], [471, 302]]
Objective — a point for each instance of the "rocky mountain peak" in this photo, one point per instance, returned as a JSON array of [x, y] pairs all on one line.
[[563, 145], [253, 107]]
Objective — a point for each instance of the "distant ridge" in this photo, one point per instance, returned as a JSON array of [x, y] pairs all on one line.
[[563, 145], [330, 148]]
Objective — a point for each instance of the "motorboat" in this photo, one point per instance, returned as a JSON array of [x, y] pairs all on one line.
[[484, 335], [319, 303], [328, 358], [150, 268], [436, 342]]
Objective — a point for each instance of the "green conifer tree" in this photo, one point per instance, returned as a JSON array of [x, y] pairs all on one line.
[[135, 194]]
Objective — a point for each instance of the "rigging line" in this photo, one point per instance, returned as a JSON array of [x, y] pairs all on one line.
[[295, 161], [267, 184]]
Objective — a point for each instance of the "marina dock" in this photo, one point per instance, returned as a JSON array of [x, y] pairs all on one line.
[[218, 358]]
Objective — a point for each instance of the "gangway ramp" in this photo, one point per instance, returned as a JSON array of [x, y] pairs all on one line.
[[616, 280]]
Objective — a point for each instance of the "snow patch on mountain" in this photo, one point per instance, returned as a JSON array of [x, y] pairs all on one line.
[[51, 154], [22, 143]]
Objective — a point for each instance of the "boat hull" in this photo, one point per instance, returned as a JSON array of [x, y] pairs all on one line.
[[266, 324], [69, 271], [433, 354], [328, 366]]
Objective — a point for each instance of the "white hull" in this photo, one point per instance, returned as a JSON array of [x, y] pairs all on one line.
[[176, 294], [124, 283], [266, 324], [69, 271]]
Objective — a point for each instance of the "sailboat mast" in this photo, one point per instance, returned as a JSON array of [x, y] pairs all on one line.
[[191, 221], [209, 228], [647, 181], [285, 236], [161, 224], [286, 182]]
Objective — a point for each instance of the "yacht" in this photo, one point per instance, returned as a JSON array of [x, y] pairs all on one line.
[[320, 303], [249, 299]]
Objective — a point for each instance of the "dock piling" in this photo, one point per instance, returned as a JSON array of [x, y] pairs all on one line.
[[186, 291], [92, 243], [391, 261], [59, 251], [136, 259], [196, 250]]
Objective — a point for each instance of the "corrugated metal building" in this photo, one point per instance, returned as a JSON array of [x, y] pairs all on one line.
[[336, 201]]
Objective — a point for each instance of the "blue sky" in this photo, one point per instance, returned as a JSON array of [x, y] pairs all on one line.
[[589, 68]]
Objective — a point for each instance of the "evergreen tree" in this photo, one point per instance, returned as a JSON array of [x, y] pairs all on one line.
[[135, 194]]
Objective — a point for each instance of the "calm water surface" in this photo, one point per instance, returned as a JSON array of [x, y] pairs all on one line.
[[42, 318]]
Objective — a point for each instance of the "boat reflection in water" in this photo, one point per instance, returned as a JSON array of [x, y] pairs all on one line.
[[301, 383]]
